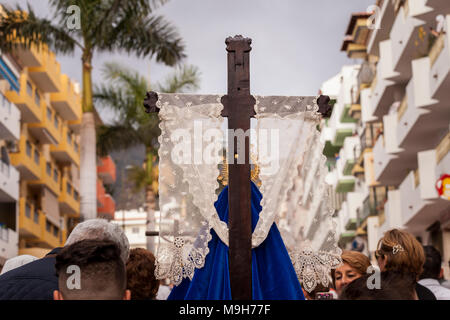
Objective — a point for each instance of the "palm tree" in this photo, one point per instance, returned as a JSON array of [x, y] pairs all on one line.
[[106, 26], [124, 96]]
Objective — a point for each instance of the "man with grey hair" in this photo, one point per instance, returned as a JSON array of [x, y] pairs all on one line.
[[38, 280], [100, 229]]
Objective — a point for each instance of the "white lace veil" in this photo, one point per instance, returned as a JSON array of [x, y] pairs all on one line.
[[292, 173]]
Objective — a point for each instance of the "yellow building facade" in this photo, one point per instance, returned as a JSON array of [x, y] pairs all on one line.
[[48, 152]]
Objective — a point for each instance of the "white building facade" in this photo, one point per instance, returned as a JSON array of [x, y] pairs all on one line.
[[400, 103]]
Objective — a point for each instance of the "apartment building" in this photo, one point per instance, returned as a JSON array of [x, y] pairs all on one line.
[[400, 104], [43, 150], [9, 176]]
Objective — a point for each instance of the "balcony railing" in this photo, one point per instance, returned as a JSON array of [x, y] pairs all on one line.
[[373, 204]]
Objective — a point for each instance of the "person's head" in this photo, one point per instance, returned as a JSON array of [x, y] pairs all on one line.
[[354, 265], [392, 286], [141, 280], [432, 268], [400, 251], [101, 229], [16, 262], [91, 270]]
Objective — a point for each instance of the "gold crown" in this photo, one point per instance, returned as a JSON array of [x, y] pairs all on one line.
[[254, 174]]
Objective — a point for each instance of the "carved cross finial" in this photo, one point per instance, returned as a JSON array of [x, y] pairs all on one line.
[[150, 102], [324, 108]]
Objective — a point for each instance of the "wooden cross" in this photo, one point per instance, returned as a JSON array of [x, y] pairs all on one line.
[[239, 109]]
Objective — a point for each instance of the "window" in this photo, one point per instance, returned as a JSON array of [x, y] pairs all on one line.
[[48, 226], [56, 122], [37, 99], [55, 231], [28, 146], [36, 215], [69, 138], [27, 210], [69, 188], [75, 195], [29, 89], [49, 169], [55, 175], [36, 156], [49, 114], [135, 230]]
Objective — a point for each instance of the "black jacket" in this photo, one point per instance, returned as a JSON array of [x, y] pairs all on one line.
[[33, 281], [423, 293]]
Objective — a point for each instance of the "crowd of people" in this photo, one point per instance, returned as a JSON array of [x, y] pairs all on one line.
[[97, 263]]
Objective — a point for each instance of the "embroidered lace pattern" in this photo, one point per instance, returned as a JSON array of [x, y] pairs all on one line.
[[292, 173]]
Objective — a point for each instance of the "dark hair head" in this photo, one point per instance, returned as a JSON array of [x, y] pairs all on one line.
[[432, 265], [393, 286], [101, 271], [141, 280]]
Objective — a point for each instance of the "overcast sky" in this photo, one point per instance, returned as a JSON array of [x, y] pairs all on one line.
[[296, 43]]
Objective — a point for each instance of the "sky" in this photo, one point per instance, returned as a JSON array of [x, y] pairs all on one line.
[[295, 43]]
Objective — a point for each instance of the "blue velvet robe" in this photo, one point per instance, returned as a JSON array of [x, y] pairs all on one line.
[[273, 276]]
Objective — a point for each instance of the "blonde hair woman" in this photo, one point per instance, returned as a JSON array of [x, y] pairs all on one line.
[[399, 251], [354, 265]]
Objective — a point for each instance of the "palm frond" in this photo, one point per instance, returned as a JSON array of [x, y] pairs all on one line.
[[183, 79], [144, 36], [19, 24], [139, 177], [115, 137]]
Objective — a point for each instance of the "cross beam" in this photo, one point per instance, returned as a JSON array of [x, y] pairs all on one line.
[[238, 108]]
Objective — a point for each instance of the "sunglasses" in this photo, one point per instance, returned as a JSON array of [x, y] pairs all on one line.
[[378, 255]]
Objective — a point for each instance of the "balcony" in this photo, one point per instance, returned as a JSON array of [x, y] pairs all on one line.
[[27, 99], [346, 117], [440, 65], [68, 149], [386, 20], [47, 75], [409, 37], [366, 106], [75, 126], [107, 208], [9, 120], [48, 131], [354, 202], [35, 228], [50, 177], [27, 160], [421, 121], [372, 205], [50, 234], [415, 210], [356, 36], [8, 242], [431, 165], [390, 162], [9, 182], [30, 57], [107, 170], [29, 219], [69, 200], [385, 87], [392, 213], [67, 102], [340, 136]]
